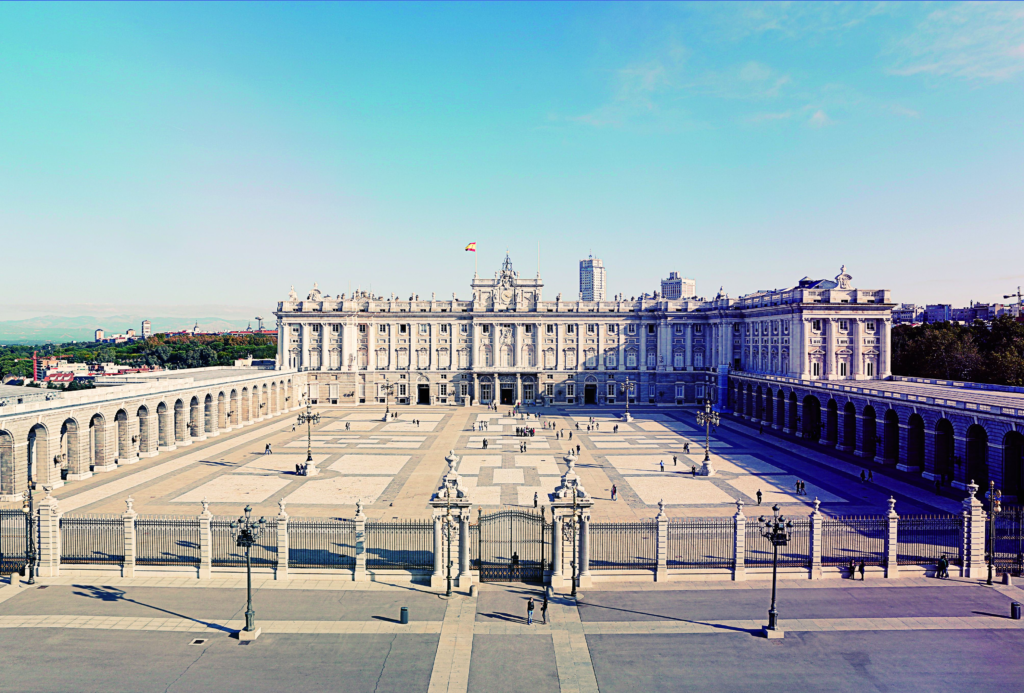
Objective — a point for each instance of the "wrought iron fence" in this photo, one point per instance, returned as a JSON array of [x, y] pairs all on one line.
[[1009, 540], [400, 544], [316, 543], [474, 546], [166, 540], [855, 537], [924, 539], [226, 553], [92, 539], [701, 542], [623, 545], [795, 553], [13, 541]]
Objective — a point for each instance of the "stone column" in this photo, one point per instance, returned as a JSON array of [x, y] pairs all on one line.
[[857, 338], [830, 325], [974, 535], [559, 359], [128, 518], [360, 574], [303, 363], [620, 363], [892, 566], [816, 537], [739, 556], [205, 542], [49, 536], [884, 343], [689, 346], [585, 579], [167, 438], [557, 579], [802, 344], [661, 572], [281, 569], [465, 575], [437, 578], [643, 346], [519, 388]]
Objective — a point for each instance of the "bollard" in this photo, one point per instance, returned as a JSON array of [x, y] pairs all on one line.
[[472, 591], [404, 618], [1015, 611], [1006, 579]]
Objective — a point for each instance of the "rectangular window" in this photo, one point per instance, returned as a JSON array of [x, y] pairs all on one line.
[[816, 369], [677, 359], [463, 328], [487, 329], [679, 329], [403, 329], [382, 329], [611, 389], [549, 389], [570, 329], [362, 329], [871, 369], [295, 329], [650, 329], [570, 390], [700, 392], [591, 329], [631, 359], [316, 328], [529, 329], [610, 361], [870, 325], [844, 325], [423, 328], [816, 325], [550, 329], [444, 329], [402, 391], [335, 329], [680, 391], [842, 368], [442, 389], [630, 329], [698, 329], [610, 329]]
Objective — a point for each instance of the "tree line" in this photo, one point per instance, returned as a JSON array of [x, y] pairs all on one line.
[[980, 352]]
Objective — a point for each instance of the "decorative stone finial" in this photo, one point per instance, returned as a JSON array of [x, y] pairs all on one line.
[[817, 505], [739, 506], [892, 505], [129, 501], [49, 490], [661, 507], [359, 507], [206, 505], [280, 506]]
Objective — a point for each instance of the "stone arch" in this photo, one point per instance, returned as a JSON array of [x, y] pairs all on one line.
[[145, 441], [264, 398], [194, 421], [209, 414], [164, 425], [944, 449], [233, 407], [288, 397], [890, 436], [1013, 465], [124, 443], [273, 398], [977, 456], [869, 432], [245, 405], [759, 404], [222, 410], [98, 442], [179, 421], [849, 426], [7, 466], [915, 441], [832, 421], [812, 418], [69, 456], [769, 406], [780, 409], [40, 465], [792, 411]]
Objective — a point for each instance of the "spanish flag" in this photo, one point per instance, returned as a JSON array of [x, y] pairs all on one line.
[[471, 247]]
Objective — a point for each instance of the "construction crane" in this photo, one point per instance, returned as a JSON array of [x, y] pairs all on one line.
[[1019, 302]]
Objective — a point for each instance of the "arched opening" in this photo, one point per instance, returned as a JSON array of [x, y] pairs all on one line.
[[7, 484], [124, 447], [915, 441], [245, 405], [891, 436], [751, 401], [944, 450], [164, 425], [179, 421], [1013, 465], [39, 463], [273, 398], [849, 426], [812, 418], [194, 422], [264, 398], [977, 457], [780, 421], [832, 422], [769, 410], [209, 415], [144, 441], [69, 457], [793, 415], [759, 405], [222, 411], [869, 432], [98, 442]]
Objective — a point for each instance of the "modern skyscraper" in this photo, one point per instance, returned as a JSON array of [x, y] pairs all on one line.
[[676, 287], [592, 282]]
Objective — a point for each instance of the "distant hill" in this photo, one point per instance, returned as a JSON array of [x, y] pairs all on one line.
[[60, 328]]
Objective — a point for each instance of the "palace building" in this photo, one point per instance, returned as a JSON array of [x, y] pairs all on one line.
[[506, 344]]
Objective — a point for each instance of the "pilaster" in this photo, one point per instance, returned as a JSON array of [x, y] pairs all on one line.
[[892, 566], [128, 567], [205, 542], [49, 536], [816, 537], [283, 553], [359, 574], [661, 572]]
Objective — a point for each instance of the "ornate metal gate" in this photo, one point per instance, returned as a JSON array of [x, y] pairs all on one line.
[[513, 546], [13, 541]]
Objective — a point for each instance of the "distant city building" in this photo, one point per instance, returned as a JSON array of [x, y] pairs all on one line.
[[147, 329], [676, 287], [130, 334], [906, 314], [592, 280], [99, 335], [940, 312]]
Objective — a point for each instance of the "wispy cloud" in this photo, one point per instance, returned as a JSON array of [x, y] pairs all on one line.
[[819, 119], [975, 41], [904, 111]]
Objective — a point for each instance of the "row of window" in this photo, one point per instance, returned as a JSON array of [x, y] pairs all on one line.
[[424, 328], [844, 325]]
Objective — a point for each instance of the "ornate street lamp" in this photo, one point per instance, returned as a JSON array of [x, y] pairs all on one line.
[[707, 419], [387, 388], [774, 529], [246, 534], [309, 418], [994, 506], [576, 525], [627, 389], [448, 521]]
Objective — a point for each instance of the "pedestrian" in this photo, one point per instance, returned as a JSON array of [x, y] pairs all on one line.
[[871, 477], [693, 471], [577, 450], [803, 488], [529, 612], [686, 448], [662, 463], [293, 428], [760, 430], [853, 568], [615, 492], [861, 569], [759, 496], [798, 487], [348, 425], [485, 443], [863, 476], [536, 498], [570, 434], [675, 460], [266, 450], [544, 608]]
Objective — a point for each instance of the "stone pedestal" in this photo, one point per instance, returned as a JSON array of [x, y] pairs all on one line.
[[776, 634], [249, 635]]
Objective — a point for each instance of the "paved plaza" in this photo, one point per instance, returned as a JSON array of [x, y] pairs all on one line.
[[394, 466], [170, 634]]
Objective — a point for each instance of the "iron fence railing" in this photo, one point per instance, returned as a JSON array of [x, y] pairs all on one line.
[[1009, 540], [474, 546], [13, 541], [701, 542], [623, 545], [166, 540], [924, 539], [400, 544], [226, 553], [315, 543], [853, 538], [795, 553], [92, 539]]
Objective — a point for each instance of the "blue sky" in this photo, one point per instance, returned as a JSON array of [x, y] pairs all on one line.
[[167, 155]]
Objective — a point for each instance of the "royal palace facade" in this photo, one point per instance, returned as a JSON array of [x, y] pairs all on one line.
[[506, 344]]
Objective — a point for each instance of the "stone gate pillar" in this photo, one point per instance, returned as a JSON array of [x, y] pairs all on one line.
[[128, 567], [360, 574], [973, 552], [892, 565], [816, 537], [49, 536], [571, 500], [205, 542], [281, 570], [451, 504], [739, 520]]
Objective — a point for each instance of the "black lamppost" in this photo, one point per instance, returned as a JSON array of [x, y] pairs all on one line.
[[448, 522], [774, 529], [707, 419], [246, 534], [575, 523], [30, 540], [994, 506], [627, 389], [309, 418], [386, 388]]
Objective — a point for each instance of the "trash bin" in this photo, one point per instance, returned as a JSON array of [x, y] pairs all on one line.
[[404, 618], [1015, 611]]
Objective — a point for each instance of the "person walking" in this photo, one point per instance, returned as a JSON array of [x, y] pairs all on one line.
[[693, 471], [485, 443], [863, 476], [759, 496], [529, 612], [348, 425], [577, 450], [662, 463], [536, 498], [675, 460], [615, 492], [853, 568], [544, 608], [860, 568], [760, 430], [266, 450], [871, 477], [686, 448]]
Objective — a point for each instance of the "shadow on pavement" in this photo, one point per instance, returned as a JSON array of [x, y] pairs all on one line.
[[112, 594]]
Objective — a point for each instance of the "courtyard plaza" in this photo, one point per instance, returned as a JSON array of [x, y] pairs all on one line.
[[394, 466], [171, 634]]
